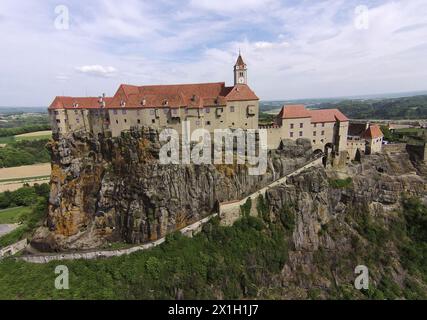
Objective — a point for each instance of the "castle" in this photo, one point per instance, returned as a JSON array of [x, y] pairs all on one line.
[[204, 105]]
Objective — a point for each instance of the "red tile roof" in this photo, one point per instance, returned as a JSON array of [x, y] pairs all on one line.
[[327, 115], [373, 132], [323, 115], [240, 92], [183, 95], [294, 112], [77, 102]]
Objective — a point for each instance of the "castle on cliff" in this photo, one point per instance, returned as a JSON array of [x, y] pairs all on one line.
[[210, 106]]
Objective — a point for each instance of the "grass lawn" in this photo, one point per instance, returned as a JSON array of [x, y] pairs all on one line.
[[12, 215]]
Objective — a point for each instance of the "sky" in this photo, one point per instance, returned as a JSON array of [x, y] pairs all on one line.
[[293, 49]]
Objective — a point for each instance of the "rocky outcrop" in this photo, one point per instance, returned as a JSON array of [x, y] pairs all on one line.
[[106, 190], [331, 234]]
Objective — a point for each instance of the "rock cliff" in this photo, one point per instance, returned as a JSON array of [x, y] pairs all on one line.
[[115, 190], [344, 219]]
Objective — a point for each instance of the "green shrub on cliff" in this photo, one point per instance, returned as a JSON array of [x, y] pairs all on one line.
[[235, 260]]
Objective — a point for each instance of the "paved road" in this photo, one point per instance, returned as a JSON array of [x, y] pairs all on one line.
[[6, 228]]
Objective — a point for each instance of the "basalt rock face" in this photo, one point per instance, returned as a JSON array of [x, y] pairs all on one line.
[[115, 189], [338, 227]]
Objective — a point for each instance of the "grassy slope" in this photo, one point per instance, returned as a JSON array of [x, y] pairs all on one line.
[[243, 261], [233, 259]]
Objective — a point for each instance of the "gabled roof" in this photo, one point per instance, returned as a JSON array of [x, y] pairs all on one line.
[[240, 92], [373, 132], [196, 95], [327, 115], [298, 111], [77, 102], [294, 112]]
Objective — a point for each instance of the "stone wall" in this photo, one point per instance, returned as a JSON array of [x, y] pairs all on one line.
[[394, 148], [417, 152], [229, 212], [189, 231], [13, 248]]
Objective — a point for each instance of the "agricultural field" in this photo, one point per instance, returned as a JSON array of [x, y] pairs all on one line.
[[32, 136], [14, 178]]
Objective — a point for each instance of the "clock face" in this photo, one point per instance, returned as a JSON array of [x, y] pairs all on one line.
[[241, 80]]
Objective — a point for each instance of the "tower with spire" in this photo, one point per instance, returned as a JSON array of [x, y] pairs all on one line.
[[240, 71]]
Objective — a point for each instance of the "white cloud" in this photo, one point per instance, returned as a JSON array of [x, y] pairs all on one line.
[[62, 77], [270, 45], [97, 70], [293, 48]]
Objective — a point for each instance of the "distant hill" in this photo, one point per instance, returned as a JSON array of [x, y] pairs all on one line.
[[20, 110], [396, 108], [364, 107]]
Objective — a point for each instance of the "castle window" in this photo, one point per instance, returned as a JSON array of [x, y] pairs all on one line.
[[314, 133], [208, 123], [300, 133], [323, 125], [291, 134], [165, 111], [56, 112], [323, 133], [174, 111], [241, 74], [117, 121], [292, 125], [152, 112], [315, 125], [314, 141], [126, 120], [207, 110], [115, 112], [78, 120], [58, 121], [153, 121], [232, 109], [124, 112], [301, 125], [75, 111], [139, 121]]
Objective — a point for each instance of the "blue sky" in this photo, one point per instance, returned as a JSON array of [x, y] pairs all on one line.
[[294, 49]]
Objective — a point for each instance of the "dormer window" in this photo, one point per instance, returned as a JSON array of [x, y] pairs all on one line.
[[193, 97], [75, 105], [165, 102], [143, 102], [122, 103]]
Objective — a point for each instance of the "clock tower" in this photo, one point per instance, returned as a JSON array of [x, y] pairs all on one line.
[[240, 71]]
